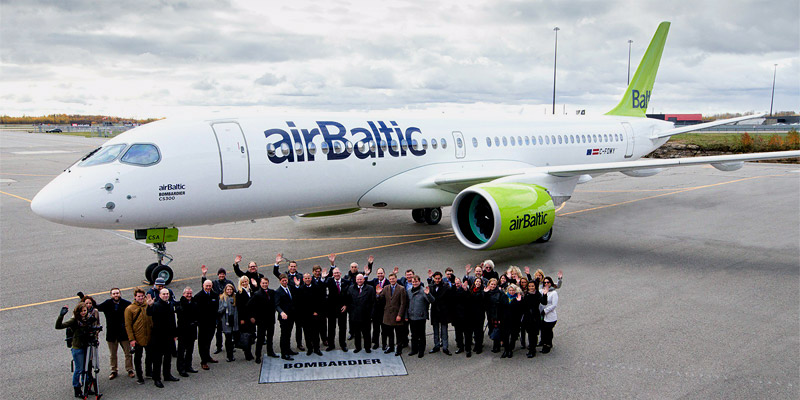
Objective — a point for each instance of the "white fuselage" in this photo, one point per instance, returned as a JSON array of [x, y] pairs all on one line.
[[222, 170]]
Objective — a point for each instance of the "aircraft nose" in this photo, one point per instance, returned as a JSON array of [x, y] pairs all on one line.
[[49, 204]]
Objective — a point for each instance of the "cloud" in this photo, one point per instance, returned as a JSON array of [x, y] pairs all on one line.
[[269, 79]]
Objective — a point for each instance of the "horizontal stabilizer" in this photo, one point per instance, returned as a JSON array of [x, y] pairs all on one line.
[[692, 128]]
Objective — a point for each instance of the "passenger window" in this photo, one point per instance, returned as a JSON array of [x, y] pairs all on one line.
[[559, 139], [488, 142], [298, 148], [459, 143], [141, 154], [349, 146], [104, 155], [338, 148], [404, 144], [554, 138], [571, 139], [547, 139], [497, 141], [527, 141], [324, 147], [285, 149], [384, 146], [605, 138], [312, 148], [513, 141], [394, 145], [505, 141], [444, 143], [424, 144], [433, 143], [415, 144], [594, 138], [475, 142], [540, 140], [271, 149]]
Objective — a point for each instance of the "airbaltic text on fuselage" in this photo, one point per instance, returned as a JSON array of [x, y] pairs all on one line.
[[376, 140]]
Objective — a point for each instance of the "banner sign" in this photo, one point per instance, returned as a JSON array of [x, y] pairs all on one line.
[[331, 365]]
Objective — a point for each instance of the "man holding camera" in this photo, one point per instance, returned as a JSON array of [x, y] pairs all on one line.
[[114, 310]]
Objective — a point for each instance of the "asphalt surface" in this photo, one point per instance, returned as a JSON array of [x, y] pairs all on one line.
[[681, 285]]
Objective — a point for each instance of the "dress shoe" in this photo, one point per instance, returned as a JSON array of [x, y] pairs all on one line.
[[545, 349], [213, 360], [204, 366], [191, 370], [388, 350], [374, 346], [230, 359], [172, 378], [300, 347], [434, 350], [287, 358], [158, 384], [181, 373], [478, 350], [217, 351], [510, 354], [273, 355], [367, 350], [344, 349], [317, 352], [329, 348], [469, 354], [112, 375], [504, 355], [357, 350], [421, 354], [495, 350], [258, 360], [140, 381], [309, 352], [398, 353], [294, 353], [446, 351], [530, 355], [413, 353], [459, 350], [78, 392]]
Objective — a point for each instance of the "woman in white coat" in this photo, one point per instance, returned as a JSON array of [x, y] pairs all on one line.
[[549, 304]]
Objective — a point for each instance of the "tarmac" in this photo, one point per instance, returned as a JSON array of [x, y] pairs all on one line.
[[681, 285]]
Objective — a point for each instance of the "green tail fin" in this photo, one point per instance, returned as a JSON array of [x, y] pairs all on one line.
[[637, 96]]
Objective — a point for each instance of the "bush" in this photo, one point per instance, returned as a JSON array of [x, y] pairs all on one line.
[[775, 142], [746, 142], [792, 140]]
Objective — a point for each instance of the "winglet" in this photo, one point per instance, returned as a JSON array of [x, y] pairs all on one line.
[[637, 96]]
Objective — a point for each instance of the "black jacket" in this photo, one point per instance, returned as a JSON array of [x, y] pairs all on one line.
[[459, 302], [530, 309], [337, 299], [440, 309], [284, 303], [164, 328], [262, 306], [360, 305], [310, 299], [217, 286], [476, 306], [510, 313], [115, 319], [207, 308], [242, 299], [255, 275], [291, 277], [492, 301], [188, 312]]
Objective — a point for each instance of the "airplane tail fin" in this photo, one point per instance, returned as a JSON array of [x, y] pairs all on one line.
[[637, 96]]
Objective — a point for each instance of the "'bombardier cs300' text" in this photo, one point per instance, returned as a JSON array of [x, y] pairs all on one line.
[[503, 178]]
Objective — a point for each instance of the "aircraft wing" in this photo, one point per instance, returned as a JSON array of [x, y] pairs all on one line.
[[463, 180], [692, 128]]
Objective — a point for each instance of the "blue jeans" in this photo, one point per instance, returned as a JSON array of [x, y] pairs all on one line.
[[79, 358], [439, 334]]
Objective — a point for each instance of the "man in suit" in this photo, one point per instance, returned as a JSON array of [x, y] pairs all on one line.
[[284, 304], [395, 303], [309, 303], [207, 316], [218, 286], [440, 313], [361, 299], [291, 275], [187, 312], [262, 311], [337, 308], [252, 273], [379, 336]]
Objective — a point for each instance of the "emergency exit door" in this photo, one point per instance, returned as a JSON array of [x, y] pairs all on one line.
[[461, 146], [234, 157], [629, 139]]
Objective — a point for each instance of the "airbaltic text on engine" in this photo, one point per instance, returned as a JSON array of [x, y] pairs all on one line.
[[374, 141], [528, 220]]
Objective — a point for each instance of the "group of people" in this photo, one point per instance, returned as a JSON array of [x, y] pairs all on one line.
[[382, 312]]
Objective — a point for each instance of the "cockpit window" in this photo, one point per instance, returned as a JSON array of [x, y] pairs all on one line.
[[141, 154], [103, 155]]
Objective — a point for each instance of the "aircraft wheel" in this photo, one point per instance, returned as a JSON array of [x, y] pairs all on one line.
[[546, 237], [148, 272], [433, 215], [418, 214], [162, 271]]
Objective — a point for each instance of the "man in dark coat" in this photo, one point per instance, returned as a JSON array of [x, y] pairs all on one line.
[[163, 336], [187, 311], [337, 309], [207, 316], [291, 274], [218, 286], [252, 273], [284, 305], [440, 313], [379, 336], [459, 301], [309, 303], [361, 300], [114, 310], [262, 311]]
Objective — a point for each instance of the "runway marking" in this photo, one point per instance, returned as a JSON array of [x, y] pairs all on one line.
[[7, 180], [37, 152], [74, 298], [13, 195], [668, 194], [12, 173]]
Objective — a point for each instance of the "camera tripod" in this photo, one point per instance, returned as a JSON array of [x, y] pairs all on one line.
[[90, 370]]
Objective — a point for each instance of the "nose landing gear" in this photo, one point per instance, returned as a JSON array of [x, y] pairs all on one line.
[[159, 269]]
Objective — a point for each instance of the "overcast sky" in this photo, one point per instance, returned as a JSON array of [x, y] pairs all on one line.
[[150, 58]]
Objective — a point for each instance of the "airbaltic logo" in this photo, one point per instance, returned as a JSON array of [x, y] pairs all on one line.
[[640, 100], [339, 142], [528, 221]]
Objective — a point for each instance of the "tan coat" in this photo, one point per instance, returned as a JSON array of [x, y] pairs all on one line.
[[394, 304], [138, 324]]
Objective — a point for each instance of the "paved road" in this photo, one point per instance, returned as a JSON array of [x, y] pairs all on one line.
[[681, 285]]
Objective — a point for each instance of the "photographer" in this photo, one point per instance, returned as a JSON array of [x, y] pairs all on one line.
[[80, 324]]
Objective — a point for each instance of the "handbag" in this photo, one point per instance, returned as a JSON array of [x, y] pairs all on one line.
[[494, 334], [245, 340]]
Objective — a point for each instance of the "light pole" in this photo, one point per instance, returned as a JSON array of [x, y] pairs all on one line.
[[555, 59], [629, 61], [774, 71]]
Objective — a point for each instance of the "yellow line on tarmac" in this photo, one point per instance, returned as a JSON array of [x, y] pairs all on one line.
[[74, 298], [13, 195], [313, 239], [668, 194]]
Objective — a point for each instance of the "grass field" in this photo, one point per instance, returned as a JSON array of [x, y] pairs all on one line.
[[737, 142]]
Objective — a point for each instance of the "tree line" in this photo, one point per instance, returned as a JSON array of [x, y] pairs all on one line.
[[68, 119]]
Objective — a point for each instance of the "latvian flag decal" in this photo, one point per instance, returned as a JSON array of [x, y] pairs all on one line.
[[592, 152]]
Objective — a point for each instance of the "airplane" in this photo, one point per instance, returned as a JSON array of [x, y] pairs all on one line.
[[503, 178]]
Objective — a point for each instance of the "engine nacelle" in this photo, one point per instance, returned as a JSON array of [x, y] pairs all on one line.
[[497, 215]]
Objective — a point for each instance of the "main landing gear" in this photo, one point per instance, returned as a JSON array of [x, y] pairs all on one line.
[[430, 216]]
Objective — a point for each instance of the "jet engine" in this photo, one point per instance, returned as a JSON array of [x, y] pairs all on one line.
[[491, 216]]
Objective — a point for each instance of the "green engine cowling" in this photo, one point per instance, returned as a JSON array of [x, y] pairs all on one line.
[[497, 215]]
